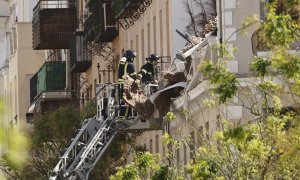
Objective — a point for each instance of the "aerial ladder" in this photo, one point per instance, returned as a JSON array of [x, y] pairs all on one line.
[[96, 133]]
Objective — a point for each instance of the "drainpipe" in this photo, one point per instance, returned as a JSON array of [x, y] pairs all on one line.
[[67, 71], [104, 16]]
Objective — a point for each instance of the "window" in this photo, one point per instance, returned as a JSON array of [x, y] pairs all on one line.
[[178, 155], [131, 44], [14, 38], [137, 51], [200, 136], [157, 144], [95, 85], [192, 146], [161, 33], [151, 146], [154, 35], [262, 10], [89, 92], [207, 129], [15, 94], [168, 29], [149, 38], [184, 155], [143, 45], [218, 122]]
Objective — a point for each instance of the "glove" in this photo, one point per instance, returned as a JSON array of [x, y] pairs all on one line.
[[139, 76], [137, 81]]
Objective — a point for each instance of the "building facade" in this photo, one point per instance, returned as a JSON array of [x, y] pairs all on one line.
[[197, 120], [23, 61], [84, 41]]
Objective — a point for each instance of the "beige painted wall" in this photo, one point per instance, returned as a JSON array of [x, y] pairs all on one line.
[[144, 37], [22, 63], [133, 37], [140, 37]]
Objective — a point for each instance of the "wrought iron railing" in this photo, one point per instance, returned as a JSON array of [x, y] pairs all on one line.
[[128, 11], [53, 4], [53, 23], [100, 25], [107, 73], [80, 56]]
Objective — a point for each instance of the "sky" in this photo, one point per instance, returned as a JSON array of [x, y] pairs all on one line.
[[4, 11]]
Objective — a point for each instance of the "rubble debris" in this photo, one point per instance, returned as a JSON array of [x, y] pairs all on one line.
[[134, 96], [209, 29]]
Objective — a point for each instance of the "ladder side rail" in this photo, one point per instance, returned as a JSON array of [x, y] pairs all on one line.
[[76, 161], [101, 94], [100, 153], [94, 148], [90, 145], [100, 99], [62, 162], [94, 156]]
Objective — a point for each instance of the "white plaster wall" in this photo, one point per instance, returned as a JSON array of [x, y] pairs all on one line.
[[22, 9], [4, 11], [234, 13]]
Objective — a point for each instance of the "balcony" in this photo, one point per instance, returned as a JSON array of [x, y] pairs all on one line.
[[47, 88], [50, 77], [53, 24], [100, 26], [80, 57], [128, 11]]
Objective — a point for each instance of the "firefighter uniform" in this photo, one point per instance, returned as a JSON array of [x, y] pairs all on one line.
[[125, 67], [146, 73]]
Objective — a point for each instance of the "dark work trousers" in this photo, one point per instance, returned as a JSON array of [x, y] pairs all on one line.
[[124, 110]]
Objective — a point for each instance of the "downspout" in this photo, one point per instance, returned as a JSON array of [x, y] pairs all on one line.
[[104, 16], [67, 63], [67, 70]]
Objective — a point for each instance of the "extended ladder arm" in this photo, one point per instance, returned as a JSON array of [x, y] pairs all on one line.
[[95, 136]]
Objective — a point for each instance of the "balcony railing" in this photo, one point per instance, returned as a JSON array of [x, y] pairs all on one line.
[[81, 58], [50, 77], [100, 26], [128, 11], [53, 24]]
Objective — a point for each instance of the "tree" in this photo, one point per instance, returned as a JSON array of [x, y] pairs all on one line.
[[267, 146], [51, 135], [13, 144], [198, 20], [145, 165]]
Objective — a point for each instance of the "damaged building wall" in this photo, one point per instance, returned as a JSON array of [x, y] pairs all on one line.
[[154, 32], [193, 117]]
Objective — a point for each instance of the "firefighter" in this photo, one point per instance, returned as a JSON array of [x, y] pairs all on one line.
[[146, 74], [126, 66]]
